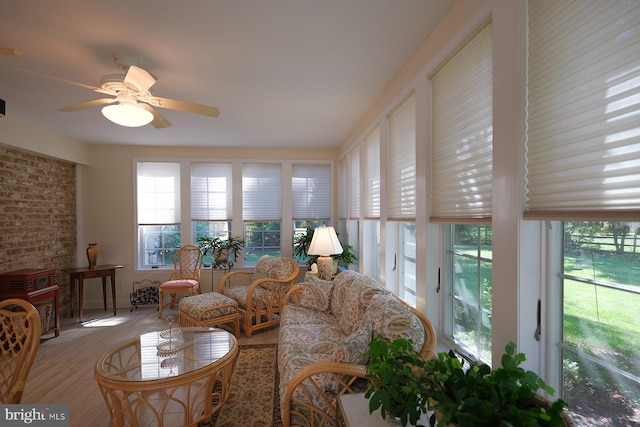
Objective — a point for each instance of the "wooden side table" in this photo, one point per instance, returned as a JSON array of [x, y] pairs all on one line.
[[81, 273]]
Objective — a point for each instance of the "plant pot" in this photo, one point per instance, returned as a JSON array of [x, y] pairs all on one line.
[[543, 402], [221, 256], [536, 401]]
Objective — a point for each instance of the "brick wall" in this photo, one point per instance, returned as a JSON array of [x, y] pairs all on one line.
[[37, 215]]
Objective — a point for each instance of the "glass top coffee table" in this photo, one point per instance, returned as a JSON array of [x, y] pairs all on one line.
[[146, 381]]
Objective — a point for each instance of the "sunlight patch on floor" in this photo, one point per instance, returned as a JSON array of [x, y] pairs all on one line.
[[113, 321]]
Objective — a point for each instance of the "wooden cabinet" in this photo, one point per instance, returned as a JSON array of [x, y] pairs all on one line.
[[40, 288]]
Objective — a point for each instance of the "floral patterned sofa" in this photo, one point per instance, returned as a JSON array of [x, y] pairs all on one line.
[[325, 329]]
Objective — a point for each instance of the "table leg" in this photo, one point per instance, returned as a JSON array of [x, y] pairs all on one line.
[[113, 291], [104, 292], [72, 286], [80, 296]]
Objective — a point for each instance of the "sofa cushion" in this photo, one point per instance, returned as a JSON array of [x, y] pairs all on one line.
[[270, 267], [180, 284], [316, 293], [392, 319], [354, 347], [194, 305], [341, 285], [238, 293], [356, 301], [306, 330]]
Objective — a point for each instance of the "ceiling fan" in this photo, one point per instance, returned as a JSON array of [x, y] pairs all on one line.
[[132, 103]]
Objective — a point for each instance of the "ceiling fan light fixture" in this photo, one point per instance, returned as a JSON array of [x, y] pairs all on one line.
[[127, 115]]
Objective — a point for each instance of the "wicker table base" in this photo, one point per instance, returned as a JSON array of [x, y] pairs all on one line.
[[184, 386]]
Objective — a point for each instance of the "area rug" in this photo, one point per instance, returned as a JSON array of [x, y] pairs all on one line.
[[253, 399]]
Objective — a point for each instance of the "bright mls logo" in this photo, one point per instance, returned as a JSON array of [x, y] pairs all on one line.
[[34, 415]]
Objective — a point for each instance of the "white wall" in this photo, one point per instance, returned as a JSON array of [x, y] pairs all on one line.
[[31, 137]]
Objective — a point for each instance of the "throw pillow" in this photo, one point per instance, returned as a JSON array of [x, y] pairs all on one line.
[[316, 293], [353, 348]]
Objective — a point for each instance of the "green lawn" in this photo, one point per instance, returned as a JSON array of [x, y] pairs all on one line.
[[601, 321]]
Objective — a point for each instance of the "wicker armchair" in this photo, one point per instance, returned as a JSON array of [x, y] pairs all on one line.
[[260, 293], [19, 340], [185, 278]]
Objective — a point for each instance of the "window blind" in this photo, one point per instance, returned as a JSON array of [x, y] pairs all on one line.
[[583, 148], [158, 189], [354, 183], [402, 161], [342, 190], [211, 192], [462, 133], [311, 187], [372, 175], [261, 192]]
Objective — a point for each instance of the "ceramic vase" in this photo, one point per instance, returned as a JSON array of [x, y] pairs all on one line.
[[92, 254]]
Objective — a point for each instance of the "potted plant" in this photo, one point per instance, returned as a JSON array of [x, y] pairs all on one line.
[[459, 395], [221, 249], [395, 378], [301, 244]]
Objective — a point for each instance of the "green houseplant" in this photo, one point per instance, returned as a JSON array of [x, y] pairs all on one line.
[[222, 250], [395, 378], [460, 395], [301, 244]]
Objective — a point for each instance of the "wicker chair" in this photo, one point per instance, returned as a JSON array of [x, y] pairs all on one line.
[[260, 293], [185, 278], [19, 341]]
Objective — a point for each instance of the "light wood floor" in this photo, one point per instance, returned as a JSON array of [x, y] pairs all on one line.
[[63, 370]]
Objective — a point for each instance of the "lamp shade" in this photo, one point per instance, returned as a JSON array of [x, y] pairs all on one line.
[[325, 242], [127, 115]]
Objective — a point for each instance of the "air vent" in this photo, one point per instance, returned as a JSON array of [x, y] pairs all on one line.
[[26, 285]]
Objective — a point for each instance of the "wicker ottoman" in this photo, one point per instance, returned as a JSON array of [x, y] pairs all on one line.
[[210, 309]]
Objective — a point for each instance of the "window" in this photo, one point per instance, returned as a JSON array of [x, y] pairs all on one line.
[[211, 201], [171, 211], [342, 192], [311, 197], [583, 163], [401, 241], [401, 209], [402, 161], [158, 213], [370, 258], [468, 296], [261, 209], [461, 163], [354, 184], [370, 252], [461, 189], [600, 345], [583, 149]]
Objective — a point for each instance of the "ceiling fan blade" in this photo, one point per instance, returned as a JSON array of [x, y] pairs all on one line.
[[159, 121], [139, 78], [87, 104], [59, 79], [10, 51], [190, 107]]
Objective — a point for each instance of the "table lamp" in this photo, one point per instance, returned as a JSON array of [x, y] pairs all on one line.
[[325, 243]]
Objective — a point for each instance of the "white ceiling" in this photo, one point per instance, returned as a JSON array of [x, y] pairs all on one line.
[[284, 73]]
